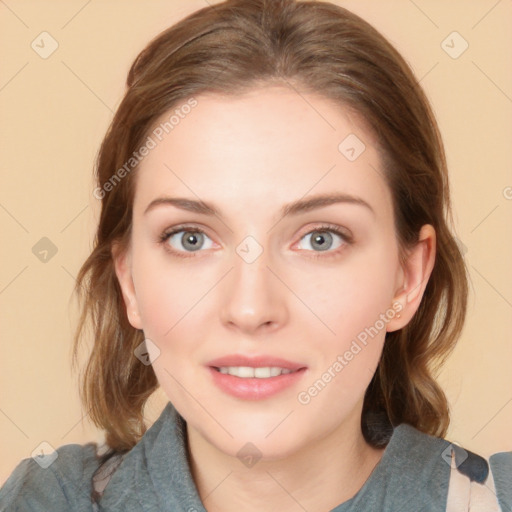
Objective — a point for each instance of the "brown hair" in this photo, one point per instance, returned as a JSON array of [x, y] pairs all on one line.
[[316, 47]]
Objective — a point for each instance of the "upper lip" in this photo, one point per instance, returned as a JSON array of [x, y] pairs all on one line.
[[255, 361]]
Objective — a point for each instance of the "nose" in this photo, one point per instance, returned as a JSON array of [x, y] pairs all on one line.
[[254, 299]]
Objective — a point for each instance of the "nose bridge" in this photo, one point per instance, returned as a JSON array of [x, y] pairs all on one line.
[[254, 296]]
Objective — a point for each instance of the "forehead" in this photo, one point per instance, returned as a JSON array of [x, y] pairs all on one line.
[[272, 144]]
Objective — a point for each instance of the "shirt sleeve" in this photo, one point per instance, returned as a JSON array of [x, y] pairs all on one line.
[[59, 485], [501, 467]]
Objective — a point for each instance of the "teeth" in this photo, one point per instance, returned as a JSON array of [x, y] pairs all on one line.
[[247, 372], [244, 371]]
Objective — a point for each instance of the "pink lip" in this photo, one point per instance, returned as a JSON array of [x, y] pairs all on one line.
[[254, 388]]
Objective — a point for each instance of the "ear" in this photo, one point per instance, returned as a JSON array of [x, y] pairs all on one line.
[[413, 278], [122, 264]]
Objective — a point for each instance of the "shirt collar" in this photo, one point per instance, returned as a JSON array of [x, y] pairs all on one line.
[[155, 474]]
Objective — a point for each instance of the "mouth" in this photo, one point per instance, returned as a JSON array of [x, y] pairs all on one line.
[[248, 372], [254, 378]]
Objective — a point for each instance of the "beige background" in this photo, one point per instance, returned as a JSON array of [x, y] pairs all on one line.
[[54, 112]]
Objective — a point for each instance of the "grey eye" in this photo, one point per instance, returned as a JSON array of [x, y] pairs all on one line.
[[189, 240], [322, 240]]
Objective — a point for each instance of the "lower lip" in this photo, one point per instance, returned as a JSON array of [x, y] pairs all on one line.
[[254, 388]]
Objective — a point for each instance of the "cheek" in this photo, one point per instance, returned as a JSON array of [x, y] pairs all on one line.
[[346, 354], [165, 292], [351, 296], [354, 304]]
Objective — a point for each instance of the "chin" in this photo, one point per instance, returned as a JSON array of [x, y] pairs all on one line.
[[253, 443]]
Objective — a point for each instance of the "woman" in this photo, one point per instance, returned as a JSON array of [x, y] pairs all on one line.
[[274, 252]]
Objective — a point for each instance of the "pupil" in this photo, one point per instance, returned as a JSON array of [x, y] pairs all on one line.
[[320, 239], [191, 241]]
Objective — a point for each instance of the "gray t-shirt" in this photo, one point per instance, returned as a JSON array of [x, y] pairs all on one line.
[[412, 475]]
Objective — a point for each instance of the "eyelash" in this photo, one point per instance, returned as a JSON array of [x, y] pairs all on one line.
[[347, 239]]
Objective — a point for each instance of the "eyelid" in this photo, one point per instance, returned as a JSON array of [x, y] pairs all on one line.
[[326, 226], [343, 233], [183, 227], [340, 231]]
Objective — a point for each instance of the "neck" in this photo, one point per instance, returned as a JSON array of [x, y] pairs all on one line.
[[320, 476]]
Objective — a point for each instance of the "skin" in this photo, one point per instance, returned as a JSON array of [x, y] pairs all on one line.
[[249, 156]]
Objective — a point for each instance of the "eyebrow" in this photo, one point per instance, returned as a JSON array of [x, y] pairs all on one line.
[[294, 208]]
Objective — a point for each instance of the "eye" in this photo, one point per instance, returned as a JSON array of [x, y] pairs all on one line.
[[185, 240], [326, 239]]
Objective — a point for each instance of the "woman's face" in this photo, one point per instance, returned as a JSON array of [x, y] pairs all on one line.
[[267, 283]]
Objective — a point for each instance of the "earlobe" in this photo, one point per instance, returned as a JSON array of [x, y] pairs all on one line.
[[416, 273], [122, 266]]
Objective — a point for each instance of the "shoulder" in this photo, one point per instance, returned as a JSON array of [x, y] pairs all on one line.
[[58, 481], [419, 457], [422, 468], [469, 479], [501, 468], [478, 484], [441, 452]]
